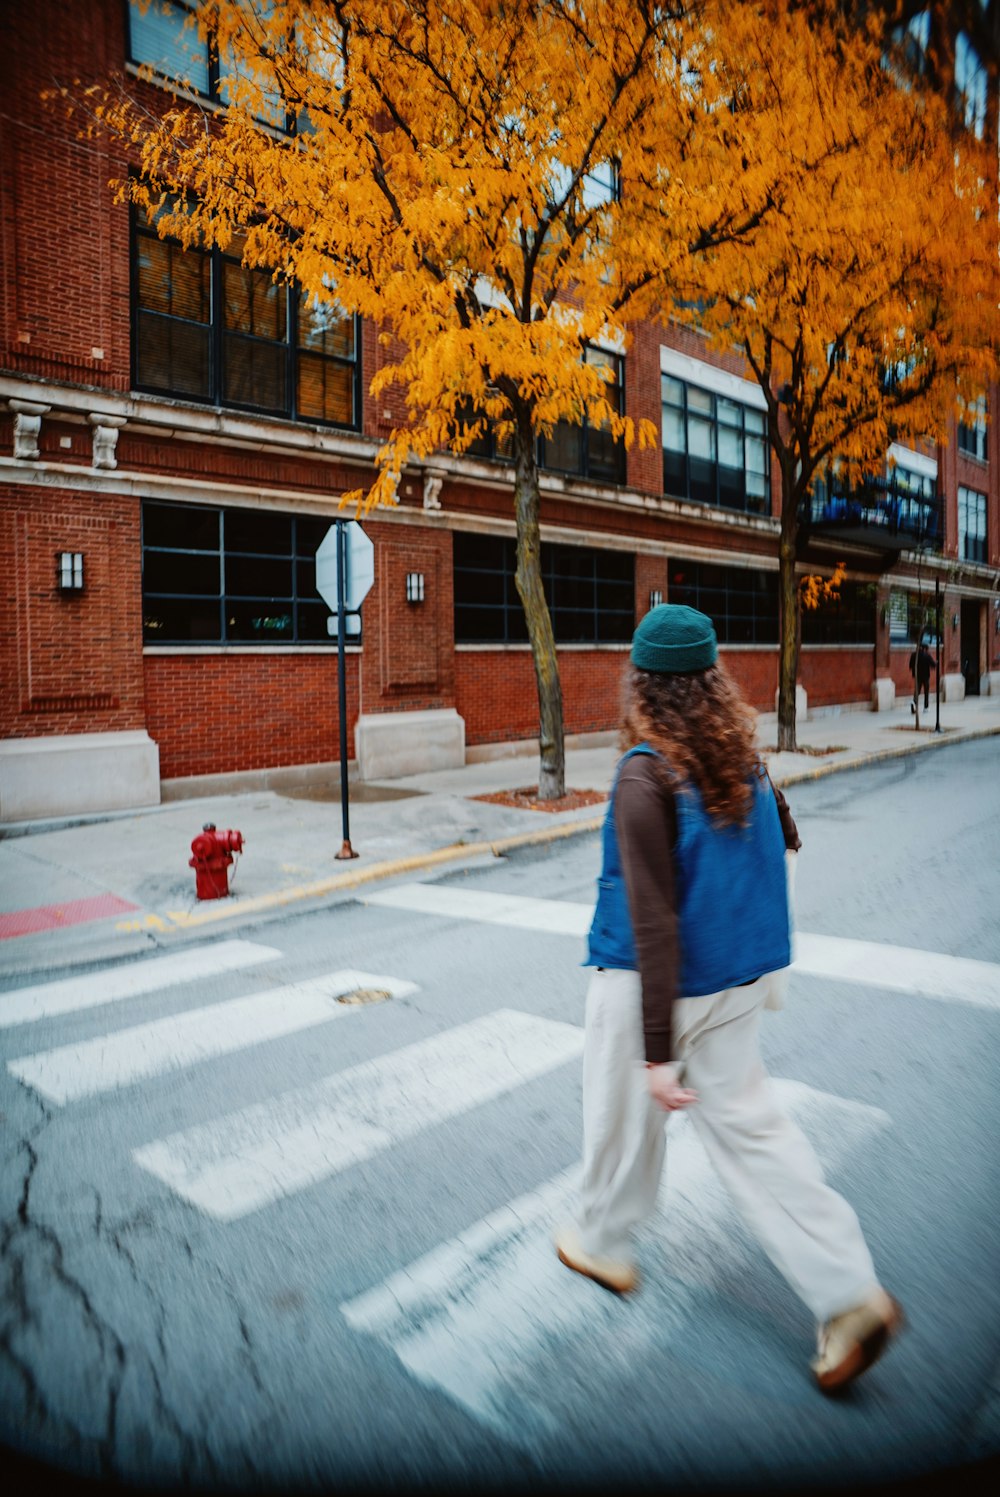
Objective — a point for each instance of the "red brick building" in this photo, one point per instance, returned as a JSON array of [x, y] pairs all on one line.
[[175, 433]]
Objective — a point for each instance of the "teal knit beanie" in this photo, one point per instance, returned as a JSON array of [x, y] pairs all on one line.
[[675, 640]]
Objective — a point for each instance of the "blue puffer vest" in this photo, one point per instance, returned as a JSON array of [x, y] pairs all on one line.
[[731, 895]]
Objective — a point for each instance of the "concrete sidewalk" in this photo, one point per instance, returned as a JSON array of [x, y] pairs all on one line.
[[92, 889]]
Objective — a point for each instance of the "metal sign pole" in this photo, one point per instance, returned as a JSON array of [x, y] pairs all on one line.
[[346, 850], [937, 672]]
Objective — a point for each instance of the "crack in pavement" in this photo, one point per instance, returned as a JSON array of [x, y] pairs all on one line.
[[193, 1448], [248, 1354], [196, 1447], [112, 1349], [22, 1237]]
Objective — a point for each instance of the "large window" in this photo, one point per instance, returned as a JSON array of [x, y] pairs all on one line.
[[971, 86], [971, 525], [916, 497], [162, 36], [586, 450], [743, 605], [972, 432], [230, 576], [590, 593], [741, 602], [205, 328], [899, 503], [589, 450], [846, 620], [714, 449]]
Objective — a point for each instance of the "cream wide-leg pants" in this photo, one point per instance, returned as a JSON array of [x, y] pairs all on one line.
[[768, 1166]]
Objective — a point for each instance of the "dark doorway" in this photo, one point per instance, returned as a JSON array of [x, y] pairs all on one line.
[[970, 639]]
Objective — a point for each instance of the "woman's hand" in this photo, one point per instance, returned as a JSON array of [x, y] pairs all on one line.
[[665, 1087]]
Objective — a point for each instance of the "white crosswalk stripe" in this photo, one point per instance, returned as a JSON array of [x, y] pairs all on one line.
[[905, 969], [69, 995], [71, 1072], [247, 1159], [473, 1317], [559, 916], [489, 1318]]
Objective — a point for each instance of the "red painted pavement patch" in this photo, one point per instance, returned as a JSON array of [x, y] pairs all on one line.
[[55, 916]]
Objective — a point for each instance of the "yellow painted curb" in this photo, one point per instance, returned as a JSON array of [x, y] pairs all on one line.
[[181, 919], [261, 903]]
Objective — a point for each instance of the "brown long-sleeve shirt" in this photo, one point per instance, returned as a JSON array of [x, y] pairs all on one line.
[[646, 824]]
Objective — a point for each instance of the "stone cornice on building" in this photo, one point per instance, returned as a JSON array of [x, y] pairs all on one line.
[[160, 418]]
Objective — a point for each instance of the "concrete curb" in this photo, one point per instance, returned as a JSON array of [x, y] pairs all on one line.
[[264, 904], [802, 777], [155, 932]]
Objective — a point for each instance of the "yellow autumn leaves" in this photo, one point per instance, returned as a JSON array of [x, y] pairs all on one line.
[[494, 182], [497, 182]]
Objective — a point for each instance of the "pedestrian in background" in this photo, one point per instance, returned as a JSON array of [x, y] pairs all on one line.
[[691, 924], [921, 664]]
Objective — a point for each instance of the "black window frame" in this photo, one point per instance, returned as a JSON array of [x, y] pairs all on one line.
[[900, 501], [972, 435], [972, 547], [678, 481], [293, 354], [486, 445], [849, 619], [290, 125], [301, 596], [742, 602], [209, 58], [580, 582]]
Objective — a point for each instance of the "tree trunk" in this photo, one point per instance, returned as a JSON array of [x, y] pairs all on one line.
[[528, 577], [788, 601]]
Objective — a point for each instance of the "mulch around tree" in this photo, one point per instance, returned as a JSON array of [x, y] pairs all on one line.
[[925, 726], [526, 799]]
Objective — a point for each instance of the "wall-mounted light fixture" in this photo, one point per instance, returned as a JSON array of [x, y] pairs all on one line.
[[414, 587], [954, 621], [884, 614], [69, 571], [655, 598]]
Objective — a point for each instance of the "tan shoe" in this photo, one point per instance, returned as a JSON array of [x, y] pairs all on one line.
[[849, 1343], [611, 1273]]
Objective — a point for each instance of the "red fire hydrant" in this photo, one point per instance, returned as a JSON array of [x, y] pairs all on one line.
[[213, 853]]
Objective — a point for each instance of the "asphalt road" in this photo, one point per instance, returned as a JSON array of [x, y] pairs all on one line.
[[290, 1242]]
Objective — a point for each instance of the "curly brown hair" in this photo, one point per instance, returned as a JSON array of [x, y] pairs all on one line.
[[704, 731]]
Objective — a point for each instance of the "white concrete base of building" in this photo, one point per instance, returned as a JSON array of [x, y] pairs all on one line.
[[77, 772], [801, 703], [953, 688], [522, 748], [389, 745], [883, 694], [991, 684]]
